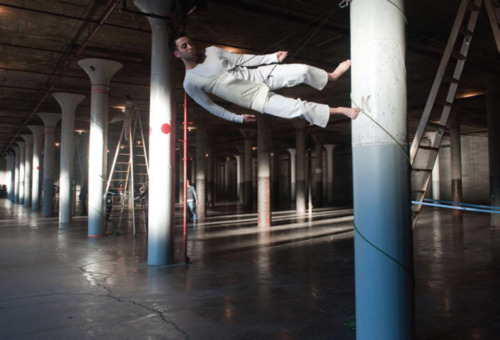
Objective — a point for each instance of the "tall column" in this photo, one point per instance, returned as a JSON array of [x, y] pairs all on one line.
[[318, 171], [17, 159], [180, 176], [38, 132], [329, 171], [493, 108], [300, 171], [68, 102], [201, 150], [293, 168], [10, 175], [382, 212], [275, 177], [28, 161], [456, 164], [50, 120], [161, 138], [247, 187], [22, 173], [264, 171], [100, 72], [238, 176], [210, 176], [436, 180]]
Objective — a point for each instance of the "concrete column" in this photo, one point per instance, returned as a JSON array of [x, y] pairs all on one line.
[[300, 169], [456, 164], [247, 187], [68, 102], [22, 173], [493, 108], [161, 138], [264, 171], [38, 132], [293, 180], [436, 181], [382, 211], [17, 162], [210, 176], [227, 184], [10, 175], [318, 171], [275, 175], [49, 150], [329, 171], [201, 150], [28, 164], [100, 72], [238, 176]]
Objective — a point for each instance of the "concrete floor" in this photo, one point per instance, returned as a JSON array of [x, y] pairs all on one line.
[[295, 282]]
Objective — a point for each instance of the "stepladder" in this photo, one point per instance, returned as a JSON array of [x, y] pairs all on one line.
[[127, 184]]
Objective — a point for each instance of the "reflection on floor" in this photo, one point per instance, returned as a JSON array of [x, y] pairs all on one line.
[[294, 281]]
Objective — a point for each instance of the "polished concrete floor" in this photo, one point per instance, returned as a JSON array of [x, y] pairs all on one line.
[[293, 282]]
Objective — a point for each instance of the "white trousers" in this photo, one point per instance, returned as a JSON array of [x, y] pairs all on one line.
[[278, 76]]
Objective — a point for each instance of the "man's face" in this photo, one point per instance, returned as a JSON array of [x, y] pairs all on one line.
[[185, 49]]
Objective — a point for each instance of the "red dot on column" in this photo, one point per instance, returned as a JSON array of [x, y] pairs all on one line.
[[150, 130], [165, 128], [38, 168]]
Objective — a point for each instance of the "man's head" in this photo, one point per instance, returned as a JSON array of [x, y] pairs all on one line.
[[182, 47]]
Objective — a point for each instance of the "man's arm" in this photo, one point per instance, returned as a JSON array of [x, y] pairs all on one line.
[[250, 60], [204, 101]]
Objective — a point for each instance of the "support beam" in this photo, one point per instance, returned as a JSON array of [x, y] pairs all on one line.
[[456, 165], [22, 173], [493, 111], [38, 132], [201, 150], [68, 103], [264, 171], [161, 138], [300, 167], [49, 152], [28, 161], [382, 212]]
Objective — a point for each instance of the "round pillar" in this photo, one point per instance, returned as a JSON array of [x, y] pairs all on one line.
[[161, 138], [201, 150], [28, 163], [300, 169], [293, 154], [456, 165], [100, 72], [264, 171], [22, 173], [382, 211], [329, 172], [493, 110], [38, 132], [50, 120], [68, 103]]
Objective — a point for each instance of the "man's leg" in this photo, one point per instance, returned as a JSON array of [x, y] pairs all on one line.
[[314, 113]]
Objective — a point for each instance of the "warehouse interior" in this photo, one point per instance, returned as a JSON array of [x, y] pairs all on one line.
[[237, 273]]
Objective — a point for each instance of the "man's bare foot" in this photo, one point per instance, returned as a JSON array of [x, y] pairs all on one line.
[[340, 70], [351, 112]]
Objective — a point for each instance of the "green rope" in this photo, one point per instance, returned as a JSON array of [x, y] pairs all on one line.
[[383, 129]]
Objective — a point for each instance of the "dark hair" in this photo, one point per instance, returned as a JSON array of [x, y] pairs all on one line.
[[173, 38]]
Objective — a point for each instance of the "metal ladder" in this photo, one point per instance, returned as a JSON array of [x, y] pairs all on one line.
[[423, 156], [125, 171], [493, 10]]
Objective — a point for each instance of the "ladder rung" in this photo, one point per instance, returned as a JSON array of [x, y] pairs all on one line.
[[141, 174], [451, 79], [419, 191], [444, 103], [472, 6], [421, 169], [121, 171], [458, 56], [428, 148], [437, 125], [465, 31]]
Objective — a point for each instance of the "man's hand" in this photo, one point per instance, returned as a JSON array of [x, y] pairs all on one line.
[[249, 118], [281, 55]]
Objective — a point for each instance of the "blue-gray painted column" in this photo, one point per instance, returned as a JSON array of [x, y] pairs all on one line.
[[17, 158], [28, 161], [161, 138], [49, 152], [100, 72], [68, 103], [38, 132], [300, 167], [493, 111], [382, 212], [22, 158]]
